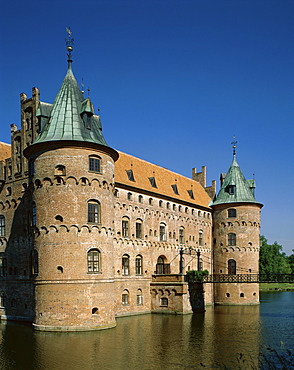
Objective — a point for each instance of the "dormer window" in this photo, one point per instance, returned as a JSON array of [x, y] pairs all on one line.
[[152, 182], [231, 189], [130, 175], [87, 119], [191, 195], [175, 189]]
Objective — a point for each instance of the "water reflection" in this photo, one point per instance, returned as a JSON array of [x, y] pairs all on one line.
[[213, 339]]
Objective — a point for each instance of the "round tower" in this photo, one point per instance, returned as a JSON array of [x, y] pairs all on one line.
[[236, 231], [71, 174]]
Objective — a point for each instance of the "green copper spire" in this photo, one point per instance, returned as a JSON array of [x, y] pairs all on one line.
[[235, 188], [71, 116]]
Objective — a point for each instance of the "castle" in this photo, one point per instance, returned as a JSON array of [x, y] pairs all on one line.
[[88, 233]]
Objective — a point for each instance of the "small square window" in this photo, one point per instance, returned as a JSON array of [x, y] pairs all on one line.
[[164, 302], [232, 212]]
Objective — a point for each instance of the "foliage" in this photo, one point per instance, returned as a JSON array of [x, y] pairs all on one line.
[[291, 261], [195, 275], [271, 258]]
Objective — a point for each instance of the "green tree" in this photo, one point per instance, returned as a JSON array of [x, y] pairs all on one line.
[[272, 259], [291, 261]]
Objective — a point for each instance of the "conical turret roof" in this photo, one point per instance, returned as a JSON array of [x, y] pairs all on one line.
[[235, 188], [71, 116]]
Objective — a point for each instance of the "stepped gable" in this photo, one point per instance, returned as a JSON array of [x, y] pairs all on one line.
[[5, 151], [146, 174], [235, 188]]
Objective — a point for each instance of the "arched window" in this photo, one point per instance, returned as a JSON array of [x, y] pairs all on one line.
[[95, 311], [140, 198], [94, 211], [232, 212], [94, 164], [125, 297], [139, 229], [125, 265], [162, 232], [139, 297], [232, 268], [139, 265], [160, 203], [59, 170], [129, 196], [94, 260], [182, 235], [125, 227], [150, 201], [2, 225], [200, 239], [231, 239], [161, 266]]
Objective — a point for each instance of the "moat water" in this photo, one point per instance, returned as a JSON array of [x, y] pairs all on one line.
[[222, 338]]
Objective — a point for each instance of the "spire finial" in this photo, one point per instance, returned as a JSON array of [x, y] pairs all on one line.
[[234, 145], [69, 44]]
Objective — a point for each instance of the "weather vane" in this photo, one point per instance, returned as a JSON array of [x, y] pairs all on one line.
[[234, 143], [69, 43]]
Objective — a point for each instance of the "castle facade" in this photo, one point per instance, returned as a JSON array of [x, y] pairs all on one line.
[[88, 233]]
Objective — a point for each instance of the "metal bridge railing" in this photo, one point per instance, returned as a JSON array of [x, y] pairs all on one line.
[[247, 278]]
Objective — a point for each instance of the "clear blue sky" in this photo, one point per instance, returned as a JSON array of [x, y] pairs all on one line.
[[174, 79]]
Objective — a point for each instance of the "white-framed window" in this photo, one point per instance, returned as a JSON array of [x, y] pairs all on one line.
[[162, 232], [139, 297], [139, 265], [125, 227], [139, 229], [231, 239], [125, 264], [94, 260], [94, 164], [94, 211], [125, 297]]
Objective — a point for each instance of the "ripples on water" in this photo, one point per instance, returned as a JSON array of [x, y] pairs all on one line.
[[212, 340]]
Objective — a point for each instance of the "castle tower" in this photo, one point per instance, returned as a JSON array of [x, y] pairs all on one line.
[[236, 236], [71, 180]]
